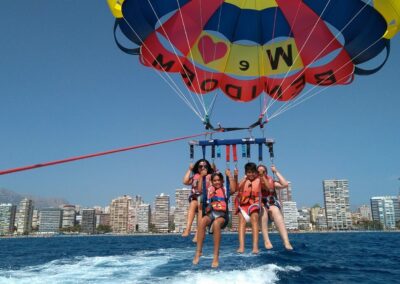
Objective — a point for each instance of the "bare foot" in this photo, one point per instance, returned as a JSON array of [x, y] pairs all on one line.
[[215, 263], [194, 239], [255, 251], [240, 250], [185, 233], [196, 258], [268, 245], [288, 246]]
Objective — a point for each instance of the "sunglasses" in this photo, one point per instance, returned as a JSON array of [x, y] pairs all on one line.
[[203, 166]]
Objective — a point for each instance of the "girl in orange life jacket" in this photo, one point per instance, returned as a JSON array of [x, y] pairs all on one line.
[[192, 177], [217, 215], [248, 201], [272, 206]]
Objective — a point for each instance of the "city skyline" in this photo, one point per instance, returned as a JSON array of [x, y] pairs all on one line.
[[73, 92]]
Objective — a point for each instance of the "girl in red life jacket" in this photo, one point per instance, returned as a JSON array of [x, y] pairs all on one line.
[[217, 214], [249, 204], [271, 205], [192, 178]]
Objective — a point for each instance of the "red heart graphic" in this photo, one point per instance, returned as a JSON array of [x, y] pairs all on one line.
[[211, 51]]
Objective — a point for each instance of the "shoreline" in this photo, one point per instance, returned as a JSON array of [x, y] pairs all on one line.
[[175, 234]]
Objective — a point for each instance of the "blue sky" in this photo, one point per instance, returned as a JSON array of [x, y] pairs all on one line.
[[67, 90]]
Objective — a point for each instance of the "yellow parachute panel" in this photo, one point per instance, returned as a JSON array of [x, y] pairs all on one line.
[[116, 7], [390, 10]]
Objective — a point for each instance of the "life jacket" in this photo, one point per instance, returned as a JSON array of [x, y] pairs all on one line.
[[269, 192], [195, 181], [216, 199], [250, 194]]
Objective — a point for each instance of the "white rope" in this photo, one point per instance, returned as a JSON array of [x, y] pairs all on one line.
[[291, 102], [176, 88]]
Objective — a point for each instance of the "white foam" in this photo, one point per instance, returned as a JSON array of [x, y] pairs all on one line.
[[264, 274], [136, 268]]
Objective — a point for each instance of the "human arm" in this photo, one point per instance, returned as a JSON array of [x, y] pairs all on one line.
[[266, 182], [232, 181], [203, 173], [187, 180], [281, 182]]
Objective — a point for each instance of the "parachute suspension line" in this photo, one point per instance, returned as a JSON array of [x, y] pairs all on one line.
[[319, 91], [272, 102], [72, 159], [212, 104], [294, 102], [177, 90], [301, 97], [190, 95], [191, 56]]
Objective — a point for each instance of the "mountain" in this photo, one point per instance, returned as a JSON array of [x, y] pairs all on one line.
[[8, 196]]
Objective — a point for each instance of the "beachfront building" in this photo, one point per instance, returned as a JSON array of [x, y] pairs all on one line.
[[181, 210], [337, 206], [384, 210], [88, 224], [50, 220], [143, 219], [285, 194], [161, 208], [133, 209], [119, 214], [290, 215], [104, 219], [304, 219], [69, 216], [25, 213], [365, 213], [35, 219], [7, 218]]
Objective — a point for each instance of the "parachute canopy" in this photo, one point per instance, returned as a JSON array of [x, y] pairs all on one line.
[[249, 47]]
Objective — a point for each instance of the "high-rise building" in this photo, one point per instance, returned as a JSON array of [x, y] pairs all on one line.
[[384, 210], [285, 194], [161, 208], [181, 210], [304, 219], [132, 213], [233, 216], [50, 220], [104, 219], [119, 214], [25, 212], [7, 218], [88, 224], [143, 218], [290, 215], [365, 212], [35, 220], [69, 216], [337, 206]]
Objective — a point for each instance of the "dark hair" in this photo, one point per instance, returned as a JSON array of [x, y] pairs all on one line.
[[219, 174], [195, 170], [250, 167], [262, 166]]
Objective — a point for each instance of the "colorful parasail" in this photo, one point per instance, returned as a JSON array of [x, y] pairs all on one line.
[[249, 47]]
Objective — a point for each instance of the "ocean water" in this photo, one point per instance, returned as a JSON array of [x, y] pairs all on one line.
[[317, 258]]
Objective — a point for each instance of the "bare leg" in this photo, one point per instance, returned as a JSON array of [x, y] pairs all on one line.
[[191, 213], [199, 217], [200, 238], [264, 228], [217, 224], [241, 233], [280, 225], [255, 230]]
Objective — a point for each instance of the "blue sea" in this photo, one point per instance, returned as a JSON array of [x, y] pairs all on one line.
[[317, 258]]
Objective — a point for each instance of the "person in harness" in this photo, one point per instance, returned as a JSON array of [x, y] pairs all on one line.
[[248, 203], [192, 177], [271, 209], [216, 215]]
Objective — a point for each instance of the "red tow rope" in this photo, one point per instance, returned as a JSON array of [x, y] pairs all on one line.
[[25, 168]]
